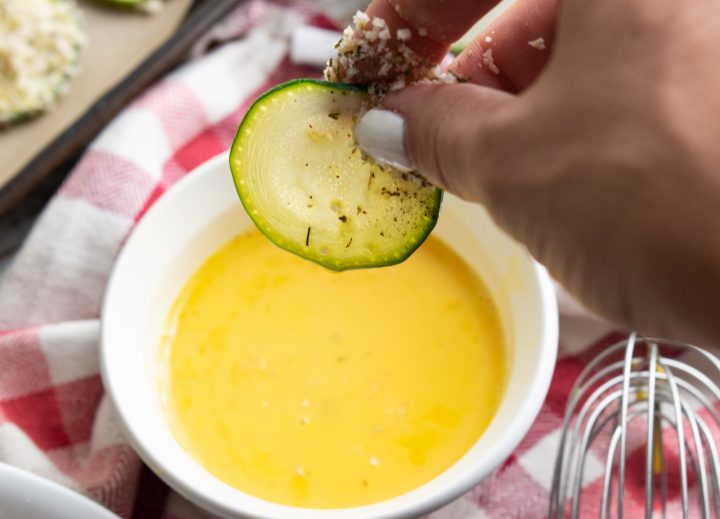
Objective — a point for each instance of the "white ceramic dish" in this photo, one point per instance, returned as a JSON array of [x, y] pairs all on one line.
[[201, 213], [24, 495]]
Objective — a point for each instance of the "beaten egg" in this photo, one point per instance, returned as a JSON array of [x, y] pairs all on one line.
[[317, 389]]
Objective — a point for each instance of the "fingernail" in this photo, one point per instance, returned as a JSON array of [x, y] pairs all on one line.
[[381, 134]]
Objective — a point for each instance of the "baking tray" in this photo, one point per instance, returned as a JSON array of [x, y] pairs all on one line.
[[127, 51]]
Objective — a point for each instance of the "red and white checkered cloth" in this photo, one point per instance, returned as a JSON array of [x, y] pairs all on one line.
[[55, 419]]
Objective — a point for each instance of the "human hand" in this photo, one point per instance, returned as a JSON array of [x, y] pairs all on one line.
[[599, 153]]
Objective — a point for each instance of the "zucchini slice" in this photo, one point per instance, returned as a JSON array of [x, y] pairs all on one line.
[[307, 186]]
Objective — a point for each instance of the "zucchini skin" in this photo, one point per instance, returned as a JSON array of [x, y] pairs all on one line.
[[249, 209], [301, 81]]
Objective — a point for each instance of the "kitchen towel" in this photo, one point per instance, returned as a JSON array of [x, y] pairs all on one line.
[[55, 419]]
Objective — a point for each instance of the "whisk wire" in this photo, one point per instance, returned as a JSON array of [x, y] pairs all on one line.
[[660, 457], [650, 440], [606, 501], [680, 433], [671, 398], [558, 492], [629, 351]]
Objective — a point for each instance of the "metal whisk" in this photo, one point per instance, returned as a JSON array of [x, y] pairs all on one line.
[[662, 391]]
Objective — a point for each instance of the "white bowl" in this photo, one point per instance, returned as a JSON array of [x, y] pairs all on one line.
[[25, 495], [202, 212]]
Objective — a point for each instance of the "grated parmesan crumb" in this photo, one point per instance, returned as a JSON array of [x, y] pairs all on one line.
[[404, 34], [368, 52], [538, 43], [346, 43], [489, 61], [396, 85], [361, 19], [448, 78]]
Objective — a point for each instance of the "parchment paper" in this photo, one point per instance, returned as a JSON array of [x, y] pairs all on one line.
[[119, 40]]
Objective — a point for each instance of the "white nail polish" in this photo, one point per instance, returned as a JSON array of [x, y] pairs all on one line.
[[380, 134]]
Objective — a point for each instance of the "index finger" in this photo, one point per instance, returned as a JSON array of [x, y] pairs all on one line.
[[427, 28], [508, 54], [435, 24]]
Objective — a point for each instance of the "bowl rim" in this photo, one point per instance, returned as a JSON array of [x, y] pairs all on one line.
[[517, 429], [28, 488]]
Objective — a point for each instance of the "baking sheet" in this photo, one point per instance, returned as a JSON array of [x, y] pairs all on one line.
[[119, 40]]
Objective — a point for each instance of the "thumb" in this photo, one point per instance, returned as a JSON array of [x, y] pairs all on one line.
[[447, 133]]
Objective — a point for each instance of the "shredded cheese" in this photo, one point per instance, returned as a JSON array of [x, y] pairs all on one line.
[[489, 61], [369, 44], [40, 43], [404, 34], [538, 43]]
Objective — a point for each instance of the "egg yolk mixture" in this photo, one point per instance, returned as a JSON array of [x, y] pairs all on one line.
[[316, 389]]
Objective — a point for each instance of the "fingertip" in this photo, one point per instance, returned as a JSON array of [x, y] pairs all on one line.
[[444, 132], [434, 25], [512, 51], [476, 64], [420, 42], [436, 20], [381, 134]]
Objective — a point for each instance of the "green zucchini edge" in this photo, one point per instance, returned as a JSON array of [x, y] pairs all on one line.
[[337, 268]]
